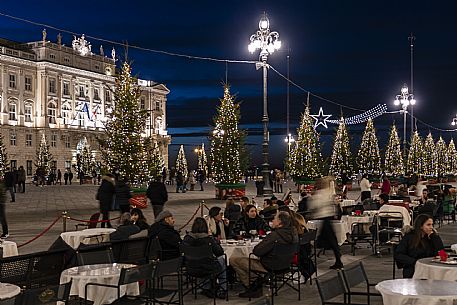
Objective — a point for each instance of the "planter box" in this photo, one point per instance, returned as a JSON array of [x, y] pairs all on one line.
[[139, 199], [308, 185], [236, 191]]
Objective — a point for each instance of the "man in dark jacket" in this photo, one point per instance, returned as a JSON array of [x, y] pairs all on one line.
[[283, 234], [158, 195], [169, 238], [9, 183], [105, 195], [122, 196]]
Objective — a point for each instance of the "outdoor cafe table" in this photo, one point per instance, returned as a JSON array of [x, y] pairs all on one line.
[[100, 274], [8, 291], [234, 248], [9, 248], [418, 292], [347, 203], [339, 226], [364, 219], [432, 269], [75, 238]]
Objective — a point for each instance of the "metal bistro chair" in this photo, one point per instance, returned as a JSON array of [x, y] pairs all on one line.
[[38, 296], [354, 276], [330, 289], [390, 225], [359, 235], [309, 238], [161, 295], [104, 256]]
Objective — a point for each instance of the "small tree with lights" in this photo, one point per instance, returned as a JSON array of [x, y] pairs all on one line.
[[451, 159], [155, 162], [393, 162], [181, 163], [3, 157], [305, 159], [429, 156], [415, 161], [368, 158], [441, 158], [202, 163], [341, 161], [44, 156]]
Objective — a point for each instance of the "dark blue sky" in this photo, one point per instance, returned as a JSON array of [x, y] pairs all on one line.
[[353, 52]]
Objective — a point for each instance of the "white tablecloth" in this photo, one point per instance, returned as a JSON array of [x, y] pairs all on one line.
[[75, 238], [8, 291], [339, 226], [418, 292], [454, 248], [347, 203], [426, 269], [237, 250], [102, 274], [9, 248]]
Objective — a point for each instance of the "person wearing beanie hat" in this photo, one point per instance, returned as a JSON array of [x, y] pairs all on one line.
[[218, 227], [169, 238]]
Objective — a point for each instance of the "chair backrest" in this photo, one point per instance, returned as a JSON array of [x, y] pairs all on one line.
[[134, 251], [104, 256], [10, 301], [154, 249], [168, 267], [42, 295], [388, 217], [354, 276], [330, 288], [284, 256], [196, 252], [308, 237], [135, 274], [93, 220]]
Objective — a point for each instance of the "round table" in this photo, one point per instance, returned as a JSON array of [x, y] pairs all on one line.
[[234, 249], [8, 291], [101, 274], [365, 219], [9, 248], [428, 268], [418, 292], [339, 226], [75, 238]]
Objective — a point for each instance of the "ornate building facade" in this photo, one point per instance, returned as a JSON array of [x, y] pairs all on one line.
[[64, 93]]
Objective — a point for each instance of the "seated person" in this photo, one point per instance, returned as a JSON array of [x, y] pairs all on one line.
[[387, 207], [303, 203], [269, 210], [426, 204], [424, 196], [283, 234], [198, 236], [125, 229], [250, 221], [137, 218], [244, 201], [218, 227], [232, 211], [419, 243], [169, 238]]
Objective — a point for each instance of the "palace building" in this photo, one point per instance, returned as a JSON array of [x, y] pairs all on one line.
[[64, 92]]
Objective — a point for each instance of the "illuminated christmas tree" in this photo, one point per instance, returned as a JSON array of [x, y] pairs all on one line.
[[441, 158], [341, 161], [43, 156], [451, 159], [155, 162], [305, 160], [202, 160], [181, 163], [123, 147], [226, 141], [429, 166], [368, 158], [86, 160], [3, 157], [393, 163], [415, 156]]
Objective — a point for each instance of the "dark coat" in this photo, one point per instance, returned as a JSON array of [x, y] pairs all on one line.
[[247, 224], [269, 212], [9, 179], [204, 265], [157, 193], [122, 194], [233, 212], [105, 193], [169, 239], [263, 250], [123, 232], [406, 255]]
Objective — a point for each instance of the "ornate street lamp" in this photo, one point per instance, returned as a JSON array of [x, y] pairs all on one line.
[[404, 99], [267, 42], [454, 121]]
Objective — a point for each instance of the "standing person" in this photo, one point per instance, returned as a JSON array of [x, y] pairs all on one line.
[[81, 177], [94, 177], [5, 233], [192, 180], [65, 176], [105, 195], [70, 176], [365, 188], [385, 187], [21, 179], [9, 183], [158, 195], [122, 195], [201, 178], [16, 179], [59, 177], [180, 182]]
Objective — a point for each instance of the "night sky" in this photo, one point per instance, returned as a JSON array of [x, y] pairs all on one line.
[[355, 53]]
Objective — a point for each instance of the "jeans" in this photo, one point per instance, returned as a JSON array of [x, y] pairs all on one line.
[[221, 278], [3, 218], [241, 266]]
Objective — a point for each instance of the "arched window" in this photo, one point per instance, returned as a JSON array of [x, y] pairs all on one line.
[[66, 113], [28, 109], [12, 109], [52, 113]]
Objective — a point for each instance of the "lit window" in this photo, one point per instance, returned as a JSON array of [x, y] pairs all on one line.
[[28, 113], [28, 83], [52, 85], [51, 113], [28, 139], [12, 112], [13, 138], [66, 88], [66, 113], [13, 81]]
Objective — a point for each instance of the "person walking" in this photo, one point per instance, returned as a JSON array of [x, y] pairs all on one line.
[[65, 177], [21, 179], [365, 188], [3, 222], [70, 176], [59, 177], [157, 195], [105, 195], [9, 183], [201, 178]]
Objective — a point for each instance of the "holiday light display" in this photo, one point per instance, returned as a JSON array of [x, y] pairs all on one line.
[[368, 158], [440, 158], [181, 163], [3, 157], [429, 156], [341, 161], [373, 113], [451, 159], [86, 161], [226, 141], [305, 160], [393, 162], [155, 162], [202, 162], [415, 156], [43, 156]]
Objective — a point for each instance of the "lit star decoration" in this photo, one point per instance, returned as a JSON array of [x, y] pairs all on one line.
[[321, 118]]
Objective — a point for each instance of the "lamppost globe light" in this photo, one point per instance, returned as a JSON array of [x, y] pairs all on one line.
[[453, 123], [397, 102], [264, 23], [404, 89], [412, 101]]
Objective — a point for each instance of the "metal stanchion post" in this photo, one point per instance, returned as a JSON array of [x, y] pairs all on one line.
[[64, 220], [202, 204]]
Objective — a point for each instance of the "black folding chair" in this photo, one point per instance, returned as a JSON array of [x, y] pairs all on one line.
[[39, 296], [159, 294], [154, 250], [388, 224], [355, 276], [104, 256], [331, 289]]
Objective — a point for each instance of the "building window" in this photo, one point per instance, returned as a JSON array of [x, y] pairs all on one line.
[[107, 96], [28, 113], [52, 85], [66, 113], [52, 56], [52, 113], [66, 88], [12, 111], [13, 164], [96, 94], [54, 165], [28, 83], [29, 167], [13, 81], [67, 164], [66, 59], [28, 139], [54, 140], [81, 119], [13, 138], [81, 91], [142, 103], [157, 106], [67, 141]]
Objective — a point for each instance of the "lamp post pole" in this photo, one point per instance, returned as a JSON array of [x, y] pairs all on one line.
[[267, 42], [404, 99]]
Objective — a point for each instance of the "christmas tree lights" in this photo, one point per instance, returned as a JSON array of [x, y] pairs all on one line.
[[440, 158], [202, 163], [368, 158], [155, 162], [393, 162], [226, 141], [305, 160], [43, 156], [415, 156], [3, 157], [451, 159], [341, 161], [181, 163], [429, 156]]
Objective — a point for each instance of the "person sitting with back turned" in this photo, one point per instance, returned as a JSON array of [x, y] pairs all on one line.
[[125, 229], [169, 238]]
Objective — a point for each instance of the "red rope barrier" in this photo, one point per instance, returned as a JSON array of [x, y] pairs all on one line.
[[92, 221], [187, 223], [42, 233]]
